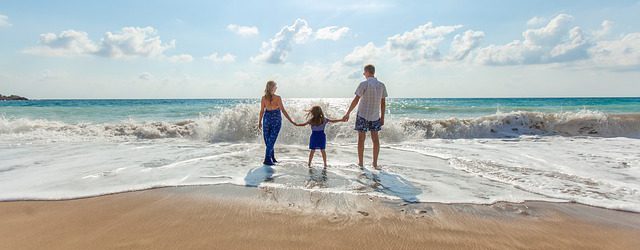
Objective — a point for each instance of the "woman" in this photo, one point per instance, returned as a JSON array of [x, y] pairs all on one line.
[[270, 120]]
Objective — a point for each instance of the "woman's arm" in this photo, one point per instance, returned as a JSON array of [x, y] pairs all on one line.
[[262, 106], [335, 120], [301, 124], [284, 111]]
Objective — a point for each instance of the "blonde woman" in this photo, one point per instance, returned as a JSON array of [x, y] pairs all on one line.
[[270, 120]]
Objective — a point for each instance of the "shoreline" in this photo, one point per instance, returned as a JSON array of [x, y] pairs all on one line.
[[387, 200], [228, 216]]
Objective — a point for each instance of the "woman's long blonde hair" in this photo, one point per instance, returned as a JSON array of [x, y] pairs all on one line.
[[268, 90], [315, 116]]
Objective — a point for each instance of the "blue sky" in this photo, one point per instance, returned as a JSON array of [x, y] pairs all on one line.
[[200, 49]]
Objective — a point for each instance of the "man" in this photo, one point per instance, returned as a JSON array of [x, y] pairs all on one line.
[[370, 95]]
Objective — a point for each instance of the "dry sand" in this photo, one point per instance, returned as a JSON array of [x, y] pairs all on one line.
[[228, 217]]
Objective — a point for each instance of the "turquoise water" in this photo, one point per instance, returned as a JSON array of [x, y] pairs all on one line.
[[100, 111]]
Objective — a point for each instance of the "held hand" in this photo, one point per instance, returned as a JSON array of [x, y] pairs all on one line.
[[345, 118]]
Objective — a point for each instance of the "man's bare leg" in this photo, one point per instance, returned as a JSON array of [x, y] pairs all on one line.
[[361, 137], [376, 148]]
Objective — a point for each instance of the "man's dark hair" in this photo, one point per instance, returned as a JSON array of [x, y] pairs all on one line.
[[369, 68]]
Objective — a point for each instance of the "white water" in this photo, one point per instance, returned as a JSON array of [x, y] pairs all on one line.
[[586, 157]]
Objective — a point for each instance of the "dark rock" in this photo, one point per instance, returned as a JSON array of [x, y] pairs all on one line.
[[363, 213], [12, 98]]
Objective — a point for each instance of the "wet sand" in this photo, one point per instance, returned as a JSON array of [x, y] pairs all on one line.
[[231, 217]]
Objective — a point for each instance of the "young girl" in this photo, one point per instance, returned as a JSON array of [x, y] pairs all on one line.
[[318, 139]]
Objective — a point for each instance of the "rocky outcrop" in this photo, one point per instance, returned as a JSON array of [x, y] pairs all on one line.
[[12, 98]]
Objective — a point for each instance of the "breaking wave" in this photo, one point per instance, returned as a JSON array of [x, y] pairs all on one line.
[[239, 124]]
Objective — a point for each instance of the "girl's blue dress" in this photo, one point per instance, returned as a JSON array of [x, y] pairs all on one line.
[[318, 139]]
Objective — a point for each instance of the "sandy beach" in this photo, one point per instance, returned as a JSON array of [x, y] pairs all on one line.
[[231, 217]]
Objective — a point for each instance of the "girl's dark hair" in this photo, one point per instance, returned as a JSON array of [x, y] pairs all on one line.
[[315, 116]]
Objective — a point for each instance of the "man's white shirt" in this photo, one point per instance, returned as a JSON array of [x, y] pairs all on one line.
[[371, 93]]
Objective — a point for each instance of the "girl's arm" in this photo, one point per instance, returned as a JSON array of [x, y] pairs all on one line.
[[335, 120], [262, 106], [301, 124], [284, 111]]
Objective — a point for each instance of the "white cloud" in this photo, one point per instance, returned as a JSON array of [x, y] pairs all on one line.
[[182, 58], [4, 21], [362, 54], [605, 29], [276, 50], [133, 42], [145, 76], [67, 43], [573, 49], [226, 58], [421, 43], [619, 53], [550, 34], [536, 21], [245, 31], [463, 44], [331, 33], [129, 42], [561, 42], [555, 42], [418, 45]]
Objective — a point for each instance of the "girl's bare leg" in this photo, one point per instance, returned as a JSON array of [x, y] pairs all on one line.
[[324, 157], [310, 157]]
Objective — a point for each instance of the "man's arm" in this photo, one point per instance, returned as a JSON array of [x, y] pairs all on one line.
[[383, 105], [353, 105]]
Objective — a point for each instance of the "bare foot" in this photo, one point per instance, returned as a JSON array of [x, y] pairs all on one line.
[[375, 165]]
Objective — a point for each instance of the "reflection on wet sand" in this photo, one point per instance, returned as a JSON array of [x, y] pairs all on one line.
[[317, 178]]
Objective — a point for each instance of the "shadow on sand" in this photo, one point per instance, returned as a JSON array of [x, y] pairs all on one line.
[[259, 175], [394, 185]]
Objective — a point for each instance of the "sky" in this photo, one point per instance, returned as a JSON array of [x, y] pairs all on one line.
[[230, 49]]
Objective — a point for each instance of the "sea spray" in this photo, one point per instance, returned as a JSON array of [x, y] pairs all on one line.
[[240, 124]]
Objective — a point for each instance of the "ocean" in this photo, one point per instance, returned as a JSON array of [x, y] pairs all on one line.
[[480, 150]]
